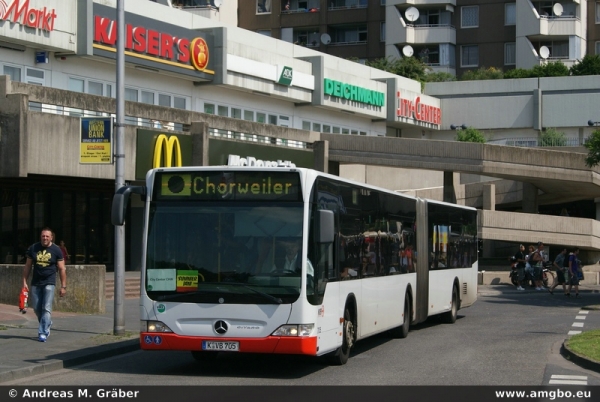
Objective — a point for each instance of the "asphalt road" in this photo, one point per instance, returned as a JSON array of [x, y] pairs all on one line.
[[507, 338]]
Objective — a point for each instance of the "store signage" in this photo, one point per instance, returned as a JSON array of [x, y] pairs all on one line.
[[96, 140], [20, 12], [170, 148], [353, 93], [418, 111], [236, 160], [286, 75]]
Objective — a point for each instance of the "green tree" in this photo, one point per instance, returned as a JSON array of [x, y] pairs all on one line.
[[550, 69], [553, 138], [593, 146], [470, 134], [589, 65], [483, 73]]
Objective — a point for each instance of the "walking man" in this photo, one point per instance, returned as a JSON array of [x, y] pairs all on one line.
[[574, 272], [520, 259], [45, 259], [559, 265]]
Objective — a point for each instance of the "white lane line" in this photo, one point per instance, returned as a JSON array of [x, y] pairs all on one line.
[[574, 332], [580, 317], [569, 377], [567, 382], [583, 312], [577, 324]]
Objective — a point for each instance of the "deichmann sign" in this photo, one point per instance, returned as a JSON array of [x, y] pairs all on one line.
[[153, 43], [20, 12], [417, 110], [96, 140], [353, 93]]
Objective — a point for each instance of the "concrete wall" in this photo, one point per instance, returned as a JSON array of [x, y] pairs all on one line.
[[85, 288]]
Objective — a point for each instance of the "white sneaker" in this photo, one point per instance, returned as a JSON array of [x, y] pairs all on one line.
[[520, 288]]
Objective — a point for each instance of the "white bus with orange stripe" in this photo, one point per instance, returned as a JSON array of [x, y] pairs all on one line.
[[292, 261]]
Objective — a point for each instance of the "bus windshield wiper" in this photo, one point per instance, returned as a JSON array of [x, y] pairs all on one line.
[[274, 299]]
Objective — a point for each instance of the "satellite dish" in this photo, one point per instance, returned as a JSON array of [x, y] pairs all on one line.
[[544, 52], [412, 14], [557, 9], [325, 39], [407, 50]]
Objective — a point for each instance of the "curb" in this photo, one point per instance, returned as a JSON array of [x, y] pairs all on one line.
[[579, 360], [74, 358]]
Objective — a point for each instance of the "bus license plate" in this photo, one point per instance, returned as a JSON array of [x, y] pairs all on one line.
[[221, 346]]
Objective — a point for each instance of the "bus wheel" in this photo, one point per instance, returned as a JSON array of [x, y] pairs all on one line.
[[204, 356], [450, 316], [340, 356], [402, 330]]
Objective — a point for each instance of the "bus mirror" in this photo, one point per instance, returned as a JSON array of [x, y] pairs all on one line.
[[324, 231], [120, 200]]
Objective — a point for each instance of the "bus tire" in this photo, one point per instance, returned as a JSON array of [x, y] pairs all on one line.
[[450, 316], [402, 330], [201, 356], [341, 355]]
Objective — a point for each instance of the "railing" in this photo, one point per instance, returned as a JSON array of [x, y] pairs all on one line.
[[358, 42], [347, 7], [533, 142], [301, 10], [166, 125]]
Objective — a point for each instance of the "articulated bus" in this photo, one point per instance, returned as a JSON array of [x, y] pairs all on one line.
[[292, 261]]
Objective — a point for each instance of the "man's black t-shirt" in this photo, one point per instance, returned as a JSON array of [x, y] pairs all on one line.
[[44, 264]]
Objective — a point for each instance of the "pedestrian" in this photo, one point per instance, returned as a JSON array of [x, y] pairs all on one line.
[[520, 260], [538, 259], [574, 269], [45, 259], [65, 252], [559, 266]]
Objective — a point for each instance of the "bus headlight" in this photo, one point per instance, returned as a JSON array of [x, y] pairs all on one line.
[[154, 326], [294, 330]]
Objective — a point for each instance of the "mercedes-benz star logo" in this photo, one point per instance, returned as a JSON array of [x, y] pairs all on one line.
[[221, 327]]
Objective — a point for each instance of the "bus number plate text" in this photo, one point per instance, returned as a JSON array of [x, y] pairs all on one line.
[[221, 346]]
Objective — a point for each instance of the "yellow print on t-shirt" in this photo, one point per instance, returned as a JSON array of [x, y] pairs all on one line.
[[43, 258]]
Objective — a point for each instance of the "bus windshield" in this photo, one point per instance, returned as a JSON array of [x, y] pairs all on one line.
[[231, 252]]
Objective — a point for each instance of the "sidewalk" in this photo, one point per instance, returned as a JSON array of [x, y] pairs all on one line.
[[81, 338], [75, 339]]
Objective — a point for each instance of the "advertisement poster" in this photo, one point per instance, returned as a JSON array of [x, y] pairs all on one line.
[[96, 140]]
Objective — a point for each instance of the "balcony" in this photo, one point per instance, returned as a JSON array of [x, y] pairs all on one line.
[[399, 31], [417, 3], [533, 23]]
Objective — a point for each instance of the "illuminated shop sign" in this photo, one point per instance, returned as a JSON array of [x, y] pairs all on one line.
[[152, 43], [20, 12], [236, 160], [353, 93], [418, 110]]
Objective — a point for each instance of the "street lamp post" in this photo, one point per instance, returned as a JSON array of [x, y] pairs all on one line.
[[593, 123]]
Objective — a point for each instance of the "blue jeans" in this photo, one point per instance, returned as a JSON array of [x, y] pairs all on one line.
[[41, 300]]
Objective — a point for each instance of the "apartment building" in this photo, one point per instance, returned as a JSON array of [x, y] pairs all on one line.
[[451, 36]]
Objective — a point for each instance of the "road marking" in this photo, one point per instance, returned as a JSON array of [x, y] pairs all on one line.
[[583, 312], [577, 324], [568, 379], [574, 332], [580, 317]]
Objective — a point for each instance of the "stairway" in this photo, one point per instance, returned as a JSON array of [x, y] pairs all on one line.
[[132, 285]]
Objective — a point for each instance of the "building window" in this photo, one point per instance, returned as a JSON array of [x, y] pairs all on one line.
[[305, 125], [179, 103], [469, 56], [306, 37], [148, 97], [34, 76], [349, 34], [209, 108], [597, 47], [469, 17], [13, 72], [263, 6], [382, 31], [510, 14], [510, 53], [76, 85], [223, 111], [558, 49], [598, 12], [236, 113], [265, 32], [248, 115]]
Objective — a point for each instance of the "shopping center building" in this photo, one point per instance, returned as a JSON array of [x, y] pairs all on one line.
[[225, 92]]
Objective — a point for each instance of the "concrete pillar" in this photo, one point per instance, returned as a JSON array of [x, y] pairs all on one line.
[[199, 133], [489, 196], [530, 198], [321, 152], [449, 193]]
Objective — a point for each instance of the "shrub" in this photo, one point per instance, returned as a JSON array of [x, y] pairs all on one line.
[[483, 73], [470, 134], [553, 138]]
